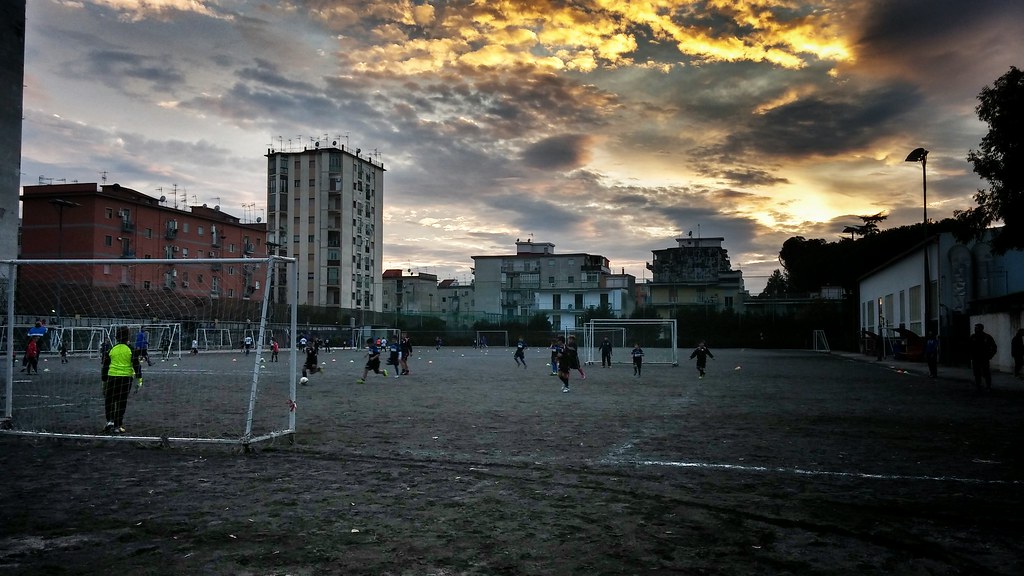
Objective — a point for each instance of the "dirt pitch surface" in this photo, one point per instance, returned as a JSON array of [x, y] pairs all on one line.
[[777, 462]]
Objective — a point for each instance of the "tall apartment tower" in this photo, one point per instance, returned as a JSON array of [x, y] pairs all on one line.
[[326, 209]]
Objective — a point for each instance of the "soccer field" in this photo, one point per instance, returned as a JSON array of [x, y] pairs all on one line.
[[777, 462]]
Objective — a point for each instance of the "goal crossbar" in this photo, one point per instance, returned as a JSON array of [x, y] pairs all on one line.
[[657, 337]]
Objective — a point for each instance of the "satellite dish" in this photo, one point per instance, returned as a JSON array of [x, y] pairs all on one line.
[[204, 205], [317, 145], [259, 219], [335, 143], [163, 198], [217, 207]]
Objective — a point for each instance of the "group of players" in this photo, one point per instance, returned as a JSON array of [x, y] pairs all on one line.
[[564, 358]]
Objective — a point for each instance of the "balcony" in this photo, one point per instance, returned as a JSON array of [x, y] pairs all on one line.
[[127, 226], [127, 253], [248, 249]]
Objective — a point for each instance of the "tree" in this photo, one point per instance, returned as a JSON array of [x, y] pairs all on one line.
[[777, 284], [1000, 161]]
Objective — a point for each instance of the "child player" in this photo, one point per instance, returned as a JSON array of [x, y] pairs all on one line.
[[394, 356], [574, 363], [406, 352], [520, 354], [372, 360], [565, 361], [638, 359], [556, 350], [312, 363], [701, 353]]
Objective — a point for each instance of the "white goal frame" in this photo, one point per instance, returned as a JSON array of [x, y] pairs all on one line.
[[503, 334], [242, 404], [591, 328]]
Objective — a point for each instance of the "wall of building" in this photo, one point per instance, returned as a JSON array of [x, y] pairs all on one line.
[[12, 81]]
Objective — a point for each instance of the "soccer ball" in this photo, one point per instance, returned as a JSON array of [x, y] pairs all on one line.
[[303, 380]]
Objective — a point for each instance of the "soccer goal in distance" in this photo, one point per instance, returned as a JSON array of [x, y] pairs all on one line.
[[488, 338], [214, 398], [657, 337]]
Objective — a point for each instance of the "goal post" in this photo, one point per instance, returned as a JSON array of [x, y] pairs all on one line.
[[657, 337], [232, 397], [487, 338]]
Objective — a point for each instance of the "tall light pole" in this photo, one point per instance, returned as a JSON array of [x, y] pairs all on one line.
[[921, 155], [61, 204]]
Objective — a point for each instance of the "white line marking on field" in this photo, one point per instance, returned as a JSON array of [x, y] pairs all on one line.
[[800, 471]]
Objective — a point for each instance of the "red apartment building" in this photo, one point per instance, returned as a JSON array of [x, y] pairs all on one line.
[[89, 221]]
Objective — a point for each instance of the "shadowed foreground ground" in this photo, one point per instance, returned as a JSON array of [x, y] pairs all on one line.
[[777, 462]]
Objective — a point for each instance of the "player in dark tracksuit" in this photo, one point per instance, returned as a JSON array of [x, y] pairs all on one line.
[[606, 353], [372, 360], [701, 353], [406, 353], [520, 354], [566, 358], [395, 356]]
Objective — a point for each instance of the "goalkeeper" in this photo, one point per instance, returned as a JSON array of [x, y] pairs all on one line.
[[120, 366]]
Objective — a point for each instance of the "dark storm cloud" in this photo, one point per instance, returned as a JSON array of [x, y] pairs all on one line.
[[825, 126], [563, 152], [118, 68]]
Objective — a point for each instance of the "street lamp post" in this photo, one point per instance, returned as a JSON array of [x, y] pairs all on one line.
[[921, 155], [61, 204]]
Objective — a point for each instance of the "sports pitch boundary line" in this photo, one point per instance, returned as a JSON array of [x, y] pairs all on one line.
[[805, 472]]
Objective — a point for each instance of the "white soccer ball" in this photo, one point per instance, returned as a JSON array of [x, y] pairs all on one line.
[[303, 380]]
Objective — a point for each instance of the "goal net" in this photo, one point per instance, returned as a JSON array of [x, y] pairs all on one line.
[[488, 338], [73, 311], [657, 337]]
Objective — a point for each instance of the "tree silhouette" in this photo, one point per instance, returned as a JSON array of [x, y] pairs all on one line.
[[1000, 160]]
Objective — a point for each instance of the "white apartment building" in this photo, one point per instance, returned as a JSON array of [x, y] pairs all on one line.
[[563, 287], [326, 209]]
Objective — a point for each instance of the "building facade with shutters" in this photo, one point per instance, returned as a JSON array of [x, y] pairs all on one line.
[[325, 208]]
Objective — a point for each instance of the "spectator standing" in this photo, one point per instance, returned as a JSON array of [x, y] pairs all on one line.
[[982, 349], [931, 354], [1017, 352]]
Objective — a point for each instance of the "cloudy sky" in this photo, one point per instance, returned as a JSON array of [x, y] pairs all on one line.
[[604, 127]]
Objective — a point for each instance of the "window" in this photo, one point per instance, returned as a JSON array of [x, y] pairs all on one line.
[[109, 212], [147, 233], [106, 269], [184, 227], [295, 238], [312, 183], [571, 280], [298, 184], [146, 285], [231, 270], [311, 239], [108, 240], [199, 230], [199, 278], [184, 252]]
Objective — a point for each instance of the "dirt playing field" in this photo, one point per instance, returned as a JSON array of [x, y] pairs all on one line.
[[778, 462]]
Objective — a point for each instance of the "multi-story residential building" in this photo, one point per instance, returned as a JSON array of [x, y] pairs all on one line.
[[409, 294], [561, 286], [87, 221], [326, 210], [456, 298], [697, 272]]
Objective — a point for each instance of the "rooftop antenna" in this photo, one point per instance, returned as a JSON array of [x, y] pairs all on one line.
[[103, 177], [175, 196]]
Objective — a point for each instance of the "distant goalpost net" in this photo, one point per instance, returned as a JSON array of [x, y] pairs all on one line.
[[85, 304], [657, 337], [488, 338]]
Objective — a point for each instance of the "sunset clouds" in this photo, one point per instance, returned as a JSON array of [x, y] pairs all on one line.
[[603, 127]]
